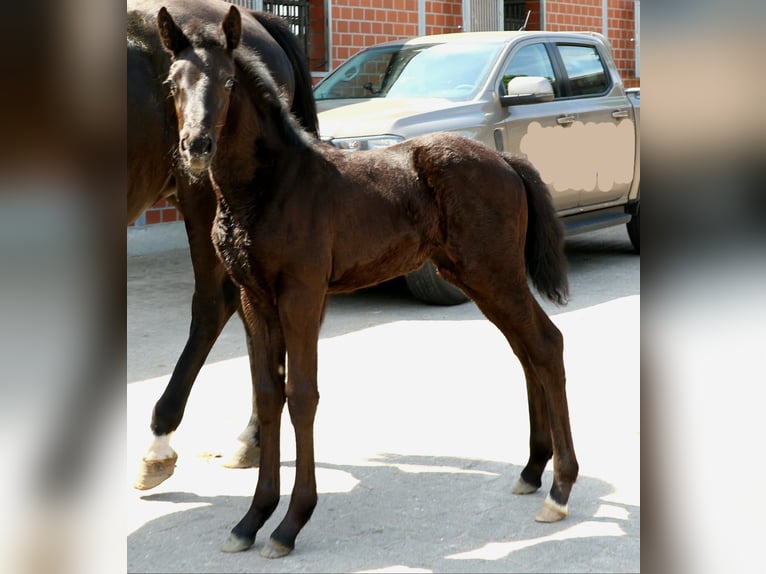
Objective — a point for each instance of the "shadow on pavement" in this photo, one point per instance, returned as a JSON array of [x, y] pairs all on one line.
[[403, 513]]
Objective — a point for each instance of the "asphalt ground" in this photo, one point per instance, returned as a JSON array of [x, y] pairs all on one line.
[[421, 432]]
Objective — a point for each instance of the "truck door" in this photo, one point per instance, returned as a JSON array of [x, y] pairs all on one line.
[[602, 152], [532, 130], [583, 141]]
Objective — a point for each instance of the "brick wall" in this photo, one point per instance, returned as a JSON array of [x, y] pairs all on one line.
[[534, 17], [317, 55], [360, 23], [161, 212], [444, 16], [586, 15]]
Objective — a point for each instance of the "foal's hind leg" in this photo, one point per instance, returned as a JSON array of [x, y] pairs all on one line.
[[539, 346], [540, 440]]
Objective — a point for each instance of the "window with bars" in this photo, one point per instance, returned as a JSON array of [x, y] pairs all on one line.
[[514, 14], [294, 12]]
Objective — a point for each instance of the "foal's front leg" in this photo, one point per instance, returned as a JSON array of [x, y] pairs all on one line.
[[301, 315], [269, 384]]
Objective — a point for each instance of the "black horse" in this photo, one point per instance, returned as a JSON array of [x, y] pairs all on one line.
[[298, 220], [153, 173]]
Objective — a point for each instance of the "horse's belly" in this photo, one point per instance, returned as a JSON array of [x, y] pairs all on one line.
[[361, 267]]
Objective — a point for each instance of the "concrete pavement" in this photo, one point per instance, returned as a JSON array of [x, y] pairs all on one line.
[[421, 432]]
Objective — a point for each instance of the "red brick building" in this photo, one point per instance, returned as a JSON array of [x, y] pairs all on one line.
[[334, 30]]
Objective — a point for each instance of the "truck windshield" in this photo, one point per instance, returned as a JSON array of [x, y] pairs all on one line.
[[454, 71]]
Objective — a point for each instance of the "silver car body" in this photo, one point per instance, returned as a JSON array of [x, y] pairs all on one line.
[[585, 147], [553, 97]]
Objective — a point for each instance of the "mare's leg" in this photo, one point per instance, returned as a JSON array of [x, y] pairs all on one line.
[[269, 385], [215, 300], [248, 451], [301, 315]]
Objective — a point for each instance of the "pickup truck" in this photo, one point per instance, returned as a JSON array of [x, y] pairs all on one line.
[[553, 97]]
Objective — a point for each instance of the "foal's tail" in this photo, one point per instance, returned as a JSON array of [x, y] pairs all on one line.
[[304, 106], [544, 252]]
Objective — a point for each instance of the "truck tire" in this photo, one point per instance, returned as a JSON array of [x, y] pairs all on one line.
[[427, 285], [634, 228]]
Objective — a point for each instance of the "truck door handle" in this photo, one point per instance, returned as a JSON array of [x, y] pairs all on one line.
[[617, 114], [565, 120]]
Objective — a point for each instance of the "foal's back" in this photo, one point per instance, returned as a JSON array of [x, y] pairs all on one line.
[[395, 208]]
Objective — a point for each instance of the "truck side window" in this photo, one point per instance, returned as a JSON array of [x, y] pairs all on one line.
[[530, 60], [362, 76], [585, 69]]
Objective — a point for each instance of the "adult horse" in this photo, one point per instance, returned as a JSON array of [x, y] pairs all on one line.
[[153, 173], [298, 220]]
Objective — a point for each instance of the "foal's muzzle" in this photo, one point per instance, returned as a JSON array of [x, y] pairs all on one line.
[[197, 151]]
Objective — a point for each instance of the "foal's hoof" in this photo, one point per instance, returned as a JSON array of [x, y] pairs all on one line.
[[523, 487], [246, 456], [236, 544], [154, 472], [274, 549], [551, 511]]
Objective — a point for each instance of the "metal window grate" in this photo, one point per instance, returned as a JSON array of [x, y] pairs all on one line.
[[295, 13], [514, 14], [250, 4]]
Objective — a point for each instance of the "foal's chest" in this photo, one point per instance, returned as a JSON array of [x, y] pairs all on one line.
[[233, 244]]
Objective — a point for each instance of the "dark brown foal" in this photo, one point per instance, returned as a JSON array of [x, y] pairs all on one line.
[[298, 220]]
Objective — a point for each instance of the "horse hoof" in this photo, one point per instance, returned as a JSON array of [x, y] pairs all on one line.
[[246, 456], [154, 472], [274, 549], [552, 511], [236, 544], [523, 487]]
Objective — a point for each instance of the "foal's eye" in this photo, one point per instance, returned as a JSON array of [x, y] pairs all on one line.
[[229, 85], [171, 86]]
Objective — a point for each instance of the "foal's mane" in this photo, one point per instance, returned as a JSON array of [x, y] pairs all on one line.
[[254, 78]]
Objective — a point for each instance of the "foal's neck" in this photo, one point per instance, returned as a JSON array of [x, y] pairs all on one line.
[[259, 138]]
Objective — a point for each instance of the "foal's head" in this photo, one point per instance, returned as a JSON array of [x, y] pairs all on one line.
[[200, 80]]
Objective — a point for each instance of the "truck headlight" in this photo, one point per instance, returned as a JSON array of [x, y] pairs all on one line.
[[365, 143]]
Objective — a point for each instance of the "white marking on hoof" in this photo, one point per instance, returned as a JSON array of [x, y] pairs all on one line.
[[236, 544], [273, 549], [154, 472], [246, 455], [551, 511], [160, 448], [523, 487], [157, 465]]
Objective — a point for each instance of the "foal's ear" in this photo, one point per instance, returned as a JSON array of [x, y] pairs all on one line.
[[232, 28], [173, 38]]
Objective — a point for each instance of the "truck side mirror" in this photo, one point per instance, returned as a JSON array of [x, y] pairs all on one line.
[[527, 90]]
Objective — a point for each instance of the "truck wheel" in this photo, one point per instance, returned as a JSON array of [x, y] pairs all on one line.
[[427, 285], [634, 227]]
